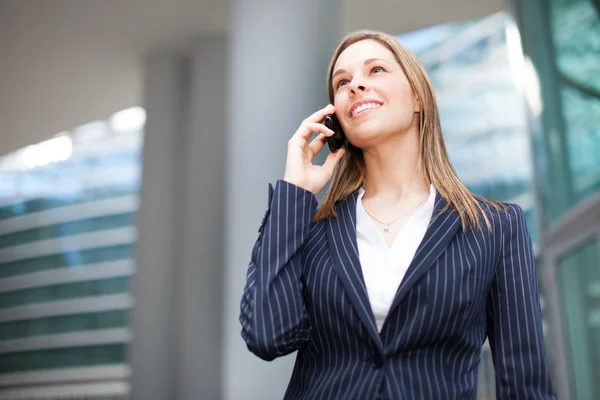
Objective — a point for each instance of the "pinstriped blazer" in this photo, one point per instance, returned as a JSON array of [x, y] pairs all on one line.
[[305, 292]]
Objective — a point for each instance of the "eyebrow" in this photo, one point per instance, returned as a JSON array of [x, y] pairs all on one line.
[[367, 61]]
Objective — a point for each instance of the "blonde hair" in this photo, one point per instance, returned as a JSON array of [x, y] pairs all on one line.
[[434, 163]]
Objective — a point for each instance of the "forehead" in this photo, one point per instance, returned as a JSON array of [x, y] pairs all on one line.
[[358, 52]]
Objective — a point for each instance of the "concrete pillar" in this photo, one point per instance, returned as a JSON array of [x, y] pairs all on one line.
[[153, 320], [279, 52], [201, 284], [177, 350]]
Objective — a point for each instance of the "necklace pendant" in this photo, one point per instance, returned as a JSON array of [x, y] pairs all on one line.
[[386, 227]]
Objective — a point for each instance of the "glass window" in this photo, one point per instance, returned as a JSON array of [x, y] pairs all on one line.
[[67, 229], [64, 291], [62, 358], [68, 202], [575, 26], [579, 273], [63, 324], [72, 258]]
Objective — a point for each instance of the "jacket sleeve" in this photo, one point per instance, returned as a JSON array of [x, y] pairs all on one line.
[[273, 315], [514, 319]]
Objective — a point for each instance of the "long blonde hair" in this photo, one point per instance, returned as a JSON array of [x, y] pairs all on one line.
[[434, 163]]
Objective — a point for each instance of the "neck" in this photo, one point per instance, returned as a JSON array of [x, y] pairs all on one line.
[[392, 168]]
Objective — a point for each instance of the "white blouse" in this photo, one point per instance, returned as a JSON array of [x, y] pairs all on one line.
[[384, 267]]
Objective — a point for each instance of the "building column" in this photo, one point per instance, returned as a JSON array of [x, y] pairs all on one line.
[[278, 58], [201, 279], [153, 319], [549, 130], [177, 349]]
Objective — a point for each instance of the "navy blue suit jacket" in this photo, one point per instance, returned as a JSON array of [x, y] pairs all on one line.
[[305, 291]]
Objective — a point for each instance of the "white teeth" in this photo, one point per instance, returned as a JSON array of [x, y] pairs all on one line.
[[364, 107]]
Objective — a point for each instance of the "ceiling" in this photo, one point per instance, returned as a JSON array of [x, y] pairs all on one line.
[[66, 62]]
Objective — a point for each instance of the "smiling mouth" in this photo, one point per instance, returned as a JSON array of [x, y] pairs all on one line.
[[364, 107]]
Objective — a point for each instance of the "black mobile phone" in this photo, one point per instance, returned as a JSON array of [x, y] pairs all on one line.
[[338, 140]]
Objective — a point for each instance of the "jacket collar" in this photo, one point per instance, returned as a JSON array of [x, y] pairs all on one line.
[[341, 235]]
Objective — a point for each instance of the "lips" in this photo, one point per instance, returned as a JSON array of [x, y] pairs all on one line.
[[363, 105]]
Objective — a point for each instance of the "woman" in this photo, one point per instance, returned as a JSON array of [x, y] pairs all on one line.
[[390, 287]]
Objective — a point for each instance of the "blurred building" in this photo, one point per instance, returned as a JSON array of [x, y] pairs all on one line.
[[67, 235], [124, 241], [561, 84]]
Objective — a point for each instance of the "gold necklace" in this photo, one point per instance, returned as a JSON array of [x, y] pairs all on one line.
[[386, 225]]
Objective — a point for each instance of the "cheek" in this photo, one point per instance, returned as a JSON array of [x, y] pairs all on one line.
[[340, 103], [401, 97], [402, 105]]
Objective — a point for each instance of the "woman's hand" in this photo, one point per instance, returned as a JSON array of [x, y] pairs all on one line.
[[299, 169]]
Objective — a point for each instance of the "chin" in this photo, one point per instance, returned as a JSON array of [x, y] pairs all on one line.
[[364, 138], [369, 128]]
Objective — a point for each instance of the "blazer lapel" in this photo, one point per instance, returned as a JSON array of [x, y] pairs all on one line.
[[341, 235], [439, 233]]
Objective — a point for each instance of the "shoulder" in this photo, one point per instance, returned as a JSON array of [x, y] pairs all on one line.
[[509, 216], [500, 214]]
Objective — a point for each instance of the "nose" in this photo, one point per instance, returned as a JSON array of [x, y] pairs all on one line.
[[357, 86]]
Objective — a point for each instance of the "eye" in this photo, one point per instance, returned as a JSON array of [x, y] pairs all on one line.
[[377, 69], [341, 83]]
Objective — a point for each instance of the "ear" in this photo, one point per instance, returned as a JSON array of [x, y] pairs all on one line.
[[416, 105]]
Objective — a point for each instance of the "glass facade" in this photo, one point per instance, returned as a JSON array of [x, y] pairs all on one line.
[[579, 273], [561, 45], [575, 28], [67, 236], [561, 42], [519, 98]]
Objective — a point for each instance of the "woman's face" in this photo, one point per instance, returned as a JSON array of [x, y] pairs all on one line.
[[372, 97]]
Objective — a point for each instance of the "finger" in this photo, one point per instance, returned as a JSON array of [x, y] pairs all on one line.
[[306, 130], [316, 145], [332, 160], [318, 127], [319, 115]]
